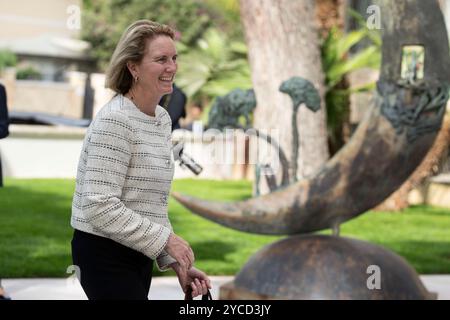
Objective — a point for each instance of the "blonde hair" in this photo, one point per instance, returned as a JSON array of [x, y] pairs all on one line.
[[131, 47]]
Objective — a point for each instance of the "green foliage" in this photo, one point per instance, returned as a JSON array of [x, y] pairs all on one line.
[[337, 62], [226, 17], [7, 59], [36, 233], [28, 73], [214, 67], [105, 20], [336, 59], [231, 7]]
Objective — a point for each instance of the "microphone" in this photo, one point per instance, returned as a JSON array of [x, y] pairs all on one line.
[[185, 160]]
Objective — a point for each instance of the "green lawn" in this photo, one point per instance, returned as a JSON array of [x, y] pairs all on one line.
[[35, 232]]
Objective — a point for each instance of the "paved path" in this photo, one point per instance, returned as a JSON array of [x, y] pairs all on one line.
[[163, 288]]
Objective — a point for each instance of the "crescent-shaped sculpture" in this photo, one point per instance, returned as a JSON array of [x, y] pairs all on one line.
[[389, 143]]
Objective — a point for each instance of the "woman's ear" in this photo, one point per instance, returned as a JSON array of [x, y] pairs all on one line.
[[132, 68]]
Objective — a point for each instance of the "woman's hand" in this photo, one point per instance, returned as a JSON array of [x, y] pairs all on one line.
[[195, 278], [180, 250], [200, 282]]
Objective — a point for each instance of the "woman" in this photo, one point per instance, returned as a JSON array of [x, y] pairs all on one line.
[[119, 209]]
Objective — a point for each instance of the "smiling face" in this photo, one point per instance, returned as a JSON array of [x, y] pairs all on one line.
[[157, 69]]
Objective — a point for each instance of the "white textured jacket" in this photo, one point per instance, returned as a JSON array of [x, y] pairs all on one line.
[[124, 177]]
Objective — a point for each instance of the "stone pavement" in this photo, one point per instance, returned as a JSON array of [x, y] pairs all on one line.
[[163, 288]]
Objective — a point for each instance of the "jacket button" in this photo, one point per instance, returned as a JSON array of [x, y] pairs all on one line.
[[158, 123], [164, 199], [168, 163]]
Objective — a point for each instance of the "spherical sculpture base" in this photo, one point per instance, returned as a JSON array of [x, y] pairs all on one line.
[[325, 267]]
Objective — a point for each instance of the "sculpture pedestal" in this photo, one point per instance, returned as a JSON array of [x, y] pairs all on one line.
[[325, 267], [229, 291]]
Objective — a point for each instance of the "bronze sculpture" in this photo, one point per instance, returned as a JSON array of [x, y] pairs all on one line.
[[390, 142]]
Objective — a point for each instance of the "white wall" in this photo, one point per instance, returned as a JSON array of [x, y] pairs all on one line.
[[29, 19]]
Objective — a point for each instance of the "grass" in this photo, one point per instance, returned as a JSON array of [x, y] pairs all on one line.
[[35, 230]]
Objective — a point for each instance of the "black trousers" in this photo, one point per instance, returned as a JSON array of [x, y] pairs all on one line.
[[109, 270]]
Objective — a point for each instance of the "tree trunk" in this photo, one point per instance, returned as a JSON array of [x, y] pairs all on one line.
[[329, 14], [282, 41], [445, 6], [428, 168]]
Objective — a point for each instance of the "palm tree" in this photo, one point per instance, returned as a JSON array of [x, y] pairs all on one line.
[[214, 67], [337, 63]]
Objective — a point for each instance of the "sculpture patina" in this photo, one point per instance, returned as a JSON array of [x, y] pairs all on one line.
[[302, 92], [389, 143], [227, 111]]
